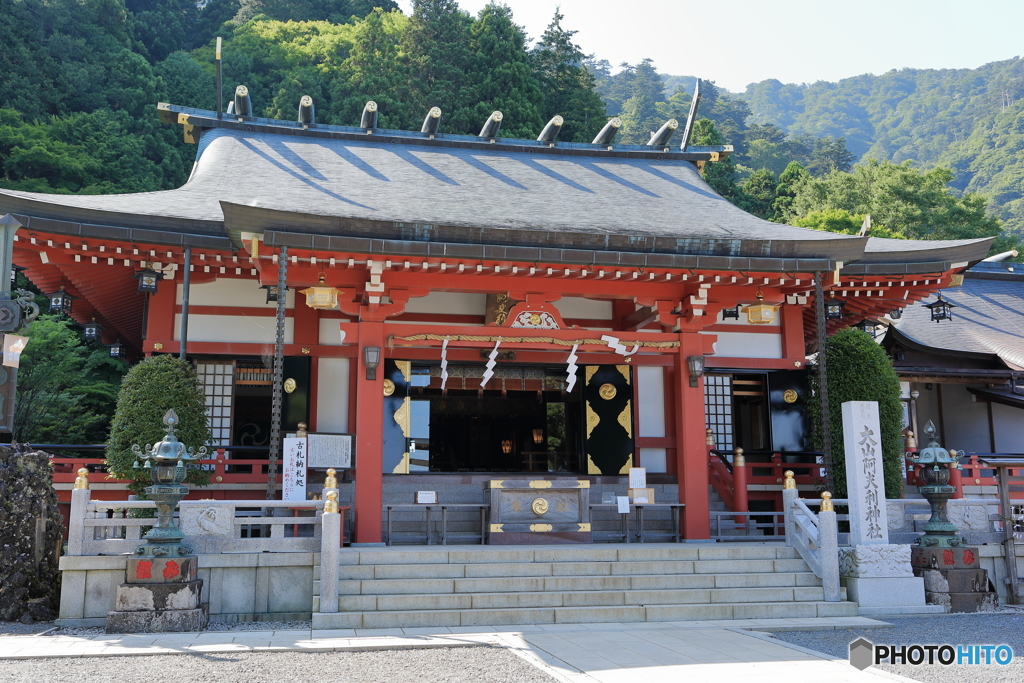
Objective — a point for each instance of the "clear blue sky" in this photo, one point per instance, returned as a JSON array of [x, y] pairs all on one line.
[[736, 42]]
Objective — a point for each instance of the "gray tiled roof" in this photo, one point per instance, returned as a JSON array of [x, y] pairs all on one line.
[[456, 194], [988, 319]]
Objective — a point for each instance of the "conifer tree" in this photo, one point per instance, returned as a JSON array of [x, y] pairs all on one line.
[[568, 86], [439, 45], [148, 391], [720, 175], [507, 82], [376, 69]]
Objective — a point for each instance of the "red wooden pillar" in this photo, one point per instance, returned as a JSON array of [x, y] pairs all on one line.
[[160, 315], [369, 431], [956, 481], [691, 443]]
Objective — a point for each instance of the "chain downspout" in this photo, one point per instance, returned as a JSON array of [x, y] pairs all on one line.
[[826, 427], [275, 410]]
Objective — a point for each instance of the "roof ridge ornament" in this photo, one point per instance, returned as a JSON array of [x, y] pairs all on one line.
[[368, 121], [307, 112], [491, 126], [607, 133], [551, 130], [432, 122]]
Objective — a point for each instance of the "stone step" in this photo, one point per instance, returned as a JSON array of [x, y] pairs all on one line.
[[582, 614], [581, 598], [618, 553], [532, 569], [549, 583]]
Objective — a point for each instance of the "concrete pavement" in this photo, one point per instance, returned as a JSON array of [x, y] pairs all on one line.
[[695, 651]]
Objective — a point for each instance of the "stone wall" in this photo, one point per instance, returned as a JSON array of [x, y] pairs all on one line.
[[263, 586], [30, 536]]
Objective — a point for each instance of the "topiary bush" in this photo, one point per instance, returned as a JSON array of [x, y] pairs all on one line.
[[860, 370], [148, 391]]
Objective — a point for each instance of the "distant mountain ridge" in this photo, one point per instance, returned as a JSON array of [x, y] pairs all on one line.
[[971, 120]]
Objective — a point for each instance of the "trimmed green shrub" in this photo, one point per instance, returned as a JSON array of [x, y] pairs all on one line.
[[860, 370], [148, 391]]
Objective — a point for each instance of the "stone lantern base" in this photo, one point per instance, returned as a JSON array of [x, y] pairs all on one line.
[[162, 594], [953, 578]]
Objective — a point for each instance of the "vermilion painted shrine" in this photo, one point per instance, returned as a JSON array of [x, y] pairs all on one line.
[[619, 256]]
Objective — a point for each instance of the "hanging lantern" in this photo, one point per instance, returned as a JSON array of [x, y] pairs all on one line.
[[321, 297], [538, 436], [91, 330], [116, 350], [148, 279], [733, 313], [506, 446], [761, 313], [834, 308], [272, 292], [60, 301], [941, 309], [867, 326]]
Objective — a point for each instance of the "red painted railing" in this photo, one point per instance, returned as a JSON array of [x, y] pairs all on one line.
[[971, 473], [760, 477], [226, 470]]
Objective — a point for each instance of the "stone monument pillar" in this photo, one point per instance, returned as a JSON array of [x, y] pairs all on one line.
[[952, 574], [161, 592], [877, 574]]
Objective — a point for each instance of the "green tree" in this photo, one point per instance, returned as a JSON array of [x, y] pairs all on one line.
[[720, 175], [860, 370], [163, 26], [439, 45], [830, 154], [567, 85], [911, 203], [759, 192], [842, 221], [785, 191], [376, 69], [149, 390], [66, 388], [507, 82]]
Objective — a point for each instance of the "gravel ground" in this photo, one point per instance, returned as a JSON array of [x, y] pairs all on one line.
[[1004, 627], [443, 665]]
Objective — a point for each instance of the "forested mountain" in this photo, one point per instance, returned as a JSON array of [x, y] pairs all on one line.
[[970, 120], [79, 80]]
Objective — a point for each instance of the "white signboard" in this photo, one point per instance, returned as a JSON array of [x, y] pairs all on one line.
[[294, 471], [865, 483], [330, 450], [637, 477], [623, 503], [13, 346]]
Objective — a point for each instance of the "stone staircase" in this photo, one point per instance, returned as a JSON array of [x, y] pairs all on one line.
[[486, 585]]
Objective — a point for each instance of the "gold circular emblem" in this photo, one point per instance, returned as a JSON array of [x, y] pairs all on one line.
[[290, 385], [535, 319], [607, 391], [540, 506], [789, 396], [389, 387]]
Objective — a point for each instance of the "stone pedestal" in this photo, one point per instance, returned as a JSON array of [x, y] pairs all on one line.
[[880, 580], [954, 579], [162, 594]]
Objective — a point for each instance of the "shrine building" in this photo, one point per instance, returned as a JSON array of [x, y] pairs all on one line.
[[486, 309]]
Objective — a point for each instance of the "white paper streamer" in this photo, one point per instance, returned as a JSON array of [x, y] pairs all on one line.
[[444, 364], [617, 346], [570, 370], [489, 371]]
